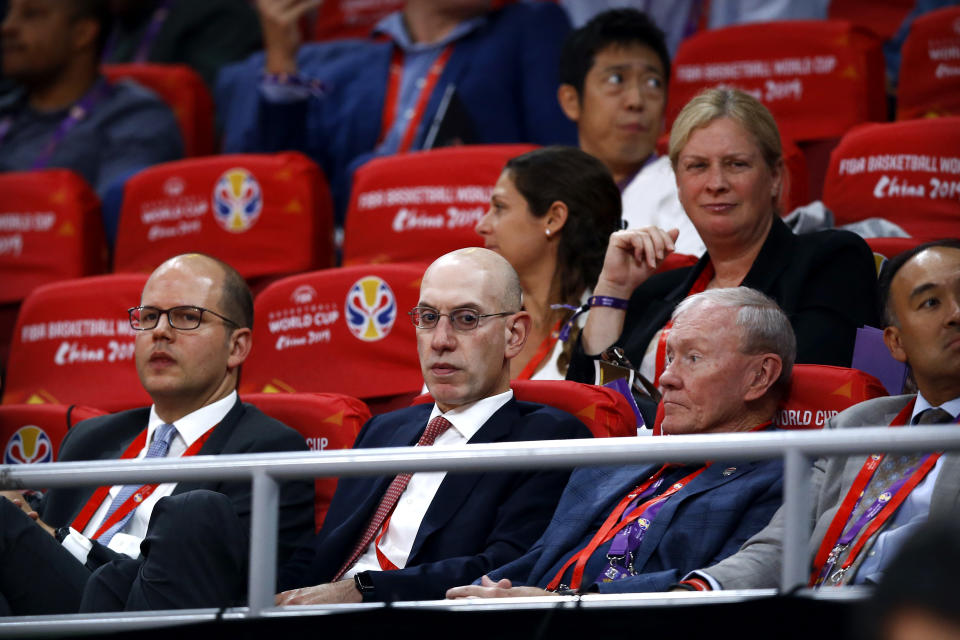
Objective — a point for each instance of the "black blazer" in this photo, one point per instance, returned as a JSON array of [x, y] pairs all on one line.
[[245, 429], [825, 281], [476, 521]]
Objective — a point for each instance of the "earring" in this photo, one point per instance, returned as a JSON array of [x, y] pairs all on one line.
[[547, 232]]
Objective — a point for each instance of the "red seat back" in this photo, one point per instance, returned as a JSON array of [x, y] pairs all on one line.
[[326, 420], [263, 214], [31, 433], [883, 18], [351, 18], [930, 68], [50, 230], [817, 77], [415, 207], [605, 412], [184, 91], [339, 330], [73, 344], [907, 172], [817, 393]]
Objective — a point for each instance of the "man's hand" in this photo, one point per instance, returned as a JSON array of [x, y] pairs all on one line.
[[16, 497], [500, 589], [329, 593], [280, 20]]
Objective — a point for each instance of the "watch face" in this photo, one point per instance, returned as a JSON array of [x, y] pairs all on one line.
[[363, 582]]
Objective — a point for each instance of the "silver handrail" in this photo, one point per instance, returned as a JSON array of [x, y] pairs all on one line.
[[797, 448]]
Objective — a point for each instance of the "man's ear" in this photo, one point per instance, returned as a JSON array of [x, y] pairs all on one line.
[[85, 33], [569, 100], [517, 329], [762, 375], [891, 336], [241, 341]]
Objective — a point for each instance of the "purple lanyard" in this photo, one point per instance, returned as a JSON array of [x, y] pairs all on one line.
[[861, 522], [80, 110], [159, 16], [627, 541]]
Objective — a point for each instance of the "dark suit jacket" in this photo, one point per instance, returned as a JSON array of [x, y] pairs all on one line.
[[825, 282], [245, 429], [706, 520], [476, 521]]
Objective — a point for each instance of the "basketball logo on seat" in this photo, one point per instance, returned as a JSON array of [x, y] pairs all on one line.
[[237, 200], [30, 444], [371, 309]]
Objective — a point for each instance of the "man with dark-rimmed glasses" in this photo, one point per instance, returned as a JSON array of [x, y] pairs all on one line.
[[158, 546], [410, 537]]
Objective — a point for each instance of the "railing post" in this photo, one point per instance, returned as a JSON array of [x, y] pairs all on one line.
[[794, 566], [263, 543]]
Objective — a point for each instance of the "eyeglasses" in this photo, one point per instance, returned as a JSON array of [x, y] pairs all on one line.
[[183, 318], [461, 319]]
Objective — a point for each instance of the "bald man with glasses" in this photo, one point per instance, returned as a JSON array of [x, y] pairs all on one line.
[[410, 537], [130, 546]]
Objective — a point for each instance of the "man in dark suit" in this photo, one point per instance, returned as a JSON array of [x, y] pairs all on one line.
[[921, 294], [641, 528], [193, 331], [442, 529]]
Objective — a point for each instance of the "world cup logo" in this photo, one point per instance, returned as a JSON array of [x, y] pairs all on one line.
[[237, 200], [371, 309], [29, 445]]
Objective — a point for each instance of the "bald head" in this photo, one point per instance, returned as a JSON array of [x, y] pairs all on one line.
[[236, 300], [503, 281]]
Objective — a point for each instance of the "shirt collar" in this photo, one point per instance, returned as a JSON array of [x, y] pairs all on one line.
[[922, 404], [193, 425], [394, 28], [468, 419]]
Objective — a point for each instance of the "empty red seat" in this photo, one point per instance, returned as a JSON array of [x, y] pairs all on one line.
[[883, 18], [930, 67], [31, 433], [415, 207], [907, 172], [605, 412], [73, 345], [326, 420], [264, 214], [340, 330], [184, 91]]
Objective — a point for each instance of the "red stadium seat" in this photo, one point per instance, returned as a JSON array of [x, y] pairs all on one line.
[[817, 393], [930, 67], [339, 330], [50, 230], [326, 420], [418, 206], [73, 344], [883, 18], [605, 412], [907, 172], [265, 215], [31, 433], [184, 91]]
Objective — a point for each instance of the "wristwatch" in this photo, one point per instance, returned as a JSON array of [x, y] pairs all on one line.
[[363, 583], [61, 534]]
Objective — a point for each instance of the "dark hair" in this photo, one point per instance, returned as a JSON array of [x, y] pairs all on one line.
[[99, 11], [619, 27], [584, 184], [893, 265], [237, 299]]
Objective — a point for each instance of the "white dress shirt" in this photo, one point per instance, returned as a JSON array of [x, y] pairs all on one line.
[[404, 523], [189, 429]]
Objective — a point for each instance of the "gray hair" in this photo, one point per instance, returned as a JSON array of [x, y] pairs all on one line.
[[764, 327]]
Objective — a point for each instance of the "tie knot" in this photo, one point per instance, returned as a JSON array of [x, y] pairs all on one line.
[[434, 430], [934, 416], [164, 433]]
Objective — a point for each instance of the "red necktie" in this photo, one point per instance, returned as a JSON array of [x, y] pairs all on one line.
[[436, 427]]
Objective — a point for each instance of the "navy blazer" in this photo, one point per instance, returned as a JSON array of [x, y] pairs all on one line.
[[476, 521], [245, 429], [505, 74], [826, 283], [707, 520]]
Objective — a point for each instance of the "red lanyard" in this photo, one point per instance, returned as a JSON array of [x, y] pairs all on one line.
[[384, 561], [393, 94], [612, 525], [843, 515], [83, 519], [545, 348], [699, 286]]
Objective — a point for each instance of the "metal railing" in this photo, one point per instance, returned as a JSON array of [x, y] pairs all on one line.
[[798, 449]]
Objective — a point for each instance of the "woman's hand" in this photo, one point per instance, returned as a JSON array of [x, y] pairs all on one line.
[[633, 255]]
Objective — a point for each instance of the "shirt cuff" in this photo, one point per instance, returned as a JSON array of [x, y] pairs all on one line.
[[78, 545], [282, 93], [694, 578]]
